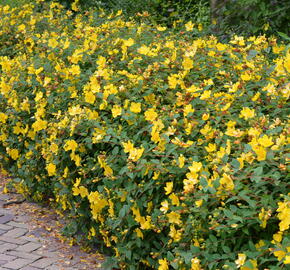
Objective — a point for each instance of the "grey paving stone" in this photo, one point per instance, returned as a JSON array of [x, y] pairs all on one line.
[[17, 232], [28, 247], [29, 268], [4, 211], [24, 255], [54, 267], [2, 232], [6, 247], [7, 258], [4, 197], [17, 264], [17, 224], [47, 254], [5, 227], [31, 238], [17, 241], [22, 218], [6, 218], [44, 262]]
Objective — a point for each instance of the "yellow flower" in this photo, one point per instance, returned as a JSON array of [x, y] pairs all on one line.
[[160, 28], [168, 188], [90, 97], [135, 107], [75, 158], [3, 117], [51, 169], [211, 147], [195, 167], [254, 132], [47, 80], [83, 191], [52, 43], [187, 63], [53, 148], [136, 153], [13, 153], [205, 116], [256, 96], [174, 234], [247, 113], [172, 81], [221, 47], [188, 109], [284, 215], [145, 223], [287, 258], [280, 254], [181, 160], [189, 26], [241, 259], [116, 111], [253, 267], [195, 264], [139, 233], [260, 152], [277, 237], [128, 146], [246, 77], [155, 175], [150, 114], [39, 125], [174, 199], [264, 216], [70, 145], [205, 95], [164, 207], [198, 203], [163, 264], [92, 232], [75, 70], [227, 183], [74, 5], [260, 244], [265, 141], [129, 42], [21, 27], [174, 217], [103, 164], [144, 50]]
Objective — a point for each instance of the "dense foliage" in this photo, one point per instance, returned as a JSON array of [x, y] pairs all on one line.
[[221, 17], [169, 149], [255, 17]]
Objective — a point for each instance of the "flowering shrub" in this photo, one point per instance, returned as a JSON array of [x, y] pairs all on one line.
[[169, 150]]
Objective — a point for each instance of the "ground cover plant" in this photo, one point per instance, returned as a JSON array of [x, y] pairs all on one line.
[[170, 149]]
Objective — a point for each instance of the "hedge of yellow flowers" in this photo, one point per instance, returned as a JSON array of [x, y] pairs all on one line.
[[168, 148]]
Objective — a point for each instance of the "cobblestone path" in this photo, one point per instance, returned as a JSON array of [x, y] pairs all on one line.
[[27, 245]]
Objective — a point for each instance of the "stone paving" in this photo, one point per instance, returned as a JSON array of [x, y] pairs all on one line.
[[25, 246]]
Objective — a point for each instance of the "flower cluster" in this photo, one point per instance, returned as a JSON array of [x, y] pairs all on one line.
[[168, 148]]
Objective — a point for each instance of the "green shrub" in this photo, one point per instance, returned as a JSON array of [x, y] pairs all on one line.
[[168, 149], [253, 17], [14, 3], [223, 18]]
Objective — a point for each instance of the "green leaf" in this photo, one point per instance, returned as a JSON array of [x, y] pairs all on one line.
[[284, 36]]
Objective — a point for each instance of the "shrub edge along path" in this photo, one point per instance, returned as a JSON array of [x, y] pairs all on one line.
[[29, 238]]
